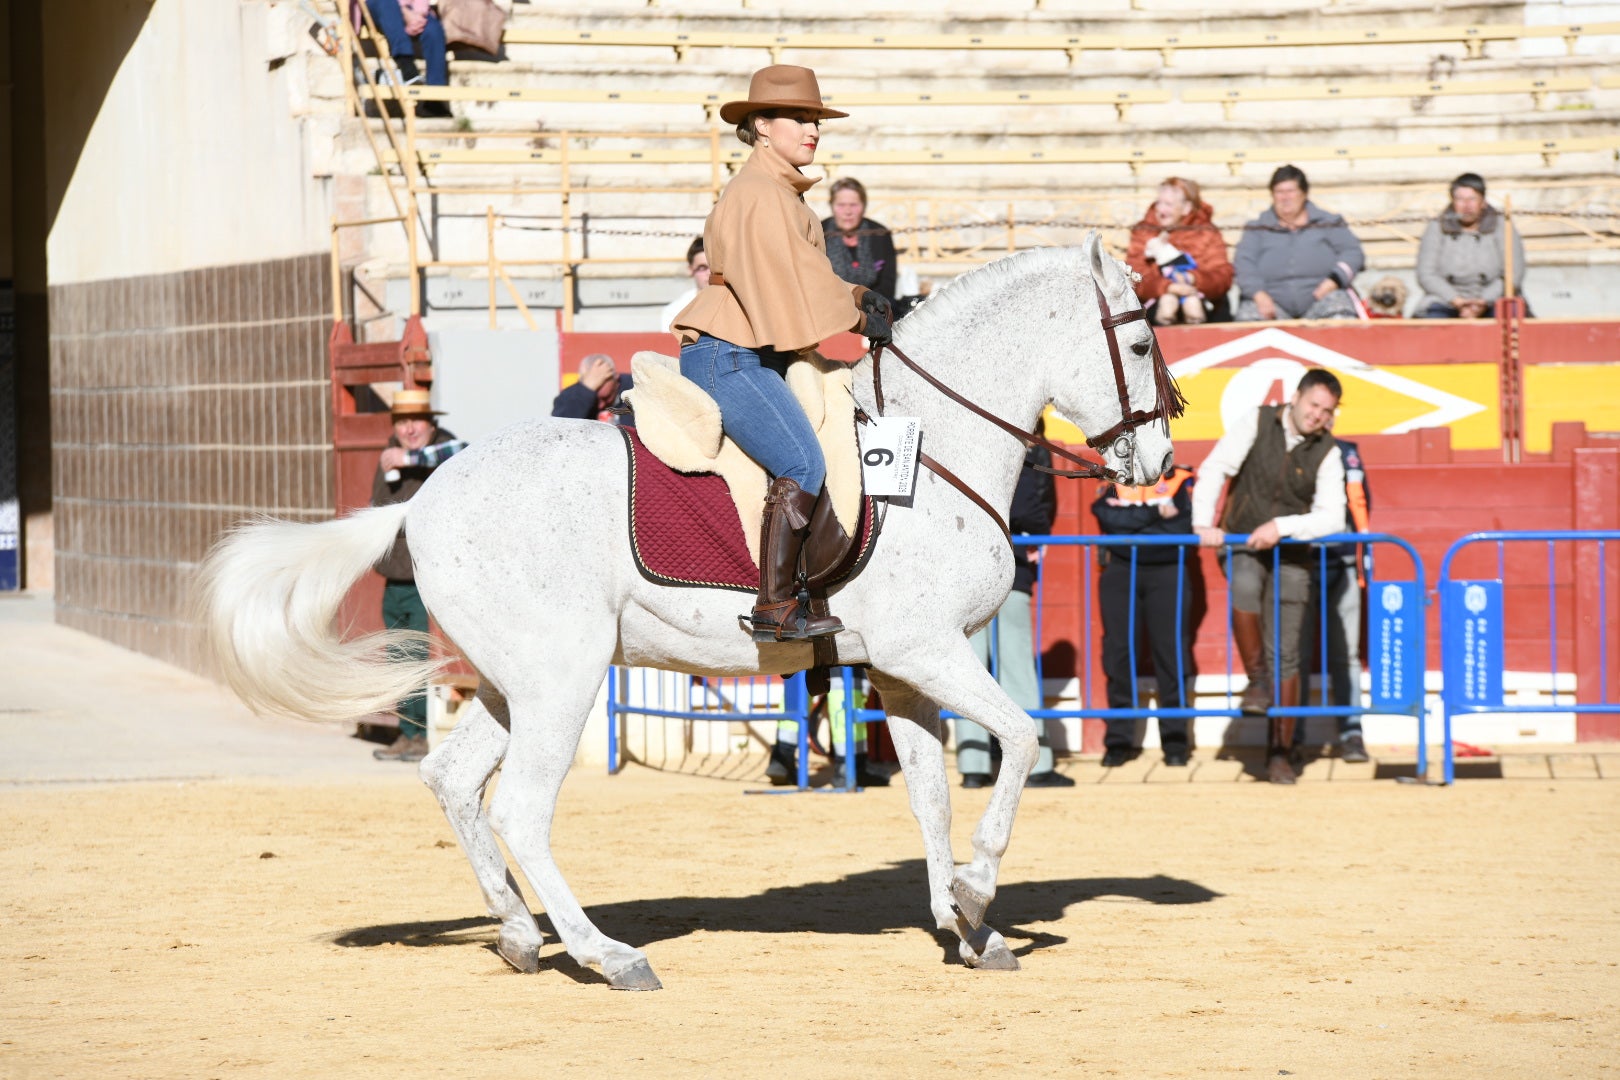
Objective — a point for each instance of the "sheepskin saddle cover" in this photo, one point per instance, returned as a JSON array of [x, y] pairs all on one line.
[[679, 424]]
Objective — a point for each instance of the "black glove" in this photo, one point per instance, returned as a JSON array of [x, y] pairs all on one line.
[[875, 303], [879, 317], [877, 329]]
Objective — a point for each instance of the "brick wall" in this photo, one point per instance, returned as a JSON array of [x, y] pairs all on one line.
[[180, 403]]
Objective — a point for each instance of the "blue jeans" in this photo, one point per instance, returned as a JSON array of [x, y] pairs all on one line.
[[391, 21], [1438, 309], [757, 410]]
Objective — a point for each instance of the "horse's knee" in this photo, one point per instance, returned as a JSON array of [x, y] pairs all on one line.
[[1020, 751], [434, 771]]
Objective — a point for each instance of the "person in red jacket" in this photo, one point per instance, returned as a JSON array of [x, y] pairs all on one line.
[[1181, 257]]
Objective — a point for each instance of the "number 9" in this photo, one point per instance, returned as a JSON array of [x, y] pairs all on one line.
[[878, 456]]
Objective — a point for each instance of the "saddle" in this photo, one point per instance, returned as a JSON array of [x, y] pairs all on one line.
[[683, 470]]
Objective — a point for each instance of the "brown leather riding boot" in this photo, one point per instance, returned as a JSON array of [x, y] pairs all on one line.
[[1250, 641], [1279, 769], [778, 614], [825, 542]]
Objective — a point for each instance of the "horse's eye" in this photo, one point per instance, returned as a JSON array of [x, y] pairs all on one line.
[[1141, 348]]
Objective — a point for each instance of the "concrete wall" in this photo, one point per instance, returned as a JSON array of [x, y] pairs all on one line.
[[193, 157], [188, 297]]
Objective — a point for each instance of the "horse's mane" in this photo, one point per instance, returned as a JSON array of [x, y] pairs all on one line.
[[963, 293]]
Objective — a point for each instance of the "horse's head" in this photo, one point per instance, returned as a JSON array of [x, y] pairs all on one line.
[[1116, 387]]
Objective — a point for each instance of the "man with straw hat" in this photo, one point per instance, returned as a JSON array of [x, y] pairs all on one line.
[[772, 295], [417, 446]]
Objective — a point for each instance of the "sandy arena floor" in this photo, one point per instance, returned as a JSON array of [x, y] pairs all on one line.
[[280, 927]]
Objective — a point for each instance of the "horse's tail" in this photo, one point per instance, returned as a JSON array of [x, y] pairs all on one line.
[[267, 596]]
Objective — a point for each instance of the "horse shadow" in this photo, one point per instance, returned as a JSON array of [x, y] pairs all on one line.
[[877, 901]]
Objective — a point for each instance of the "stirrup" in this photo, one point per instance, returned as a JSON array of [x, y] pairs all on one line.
[[796, 627]]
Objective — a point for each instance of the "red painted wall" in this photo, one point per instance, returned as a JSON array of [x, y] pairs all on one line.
[[1422, 490]]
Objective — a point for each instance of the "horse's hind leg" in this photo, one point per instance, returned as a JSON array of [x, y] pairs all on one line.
[[919, 738], [457, 772], [548, 714]]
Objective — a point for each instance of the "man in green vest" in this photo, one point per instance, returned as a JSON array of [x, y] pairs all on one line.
[[1287, 481]]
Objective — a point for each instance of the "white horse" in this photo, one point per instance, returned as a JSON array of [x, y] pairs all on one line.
[[522, 555]]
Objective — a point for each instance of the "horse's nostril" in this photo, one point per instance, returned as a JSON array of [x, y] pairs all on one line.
[[1169, 464]]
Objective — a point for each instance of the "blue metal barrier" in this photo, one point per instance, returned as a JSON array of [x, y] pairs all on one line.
[[1400, 680], [645, 692], [1407, 699], [1472, 631]]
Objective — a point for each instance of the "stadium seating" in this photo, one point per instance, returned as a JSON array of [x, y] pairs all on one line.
[[980, 142]]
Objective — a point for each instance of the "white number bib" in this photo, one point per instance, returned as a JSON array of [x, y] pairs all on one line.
[[889, 448]]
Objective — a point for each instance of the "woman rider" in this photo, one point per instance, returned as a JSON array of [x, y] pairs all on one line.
[[772, 295]]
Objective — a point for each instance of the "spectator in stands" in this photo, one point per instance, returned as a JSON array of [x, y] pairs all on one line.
[[1034, 509], [861, 250], [1164, 509], [600, 389], [1287, 481], [417, 447], [1296, 260], [1343, 588], [412, 29], [1462, 260], [1181, 258], [697, 268]]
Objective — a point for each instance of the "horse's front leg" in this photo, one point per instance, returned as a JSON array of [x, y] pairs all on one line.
[[952, 676], [919, 739]]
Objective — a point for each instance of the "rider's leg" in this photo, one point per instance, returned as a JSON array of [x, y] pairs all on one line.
[[760, 414]]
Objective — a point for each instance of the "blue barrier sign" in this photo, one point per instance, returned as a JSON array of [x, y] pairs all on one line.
[[1471, 645], [1394, 639]]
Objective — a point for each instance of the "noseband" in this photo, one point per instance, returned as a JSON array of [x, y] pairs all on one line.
[[1167, 405]]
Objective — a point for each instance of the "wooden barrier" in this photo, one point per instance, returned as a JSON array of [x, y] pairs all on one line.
[[1121, 100], [1538, 89], [1234, 159], [1472, 37]]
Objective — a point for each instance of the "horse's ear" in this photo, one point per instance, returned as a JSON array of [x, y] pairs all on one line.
[[1092, 245], [1105, 269]]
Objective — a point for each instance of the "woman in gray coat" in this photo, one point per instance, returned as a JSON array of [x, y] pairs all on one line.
[[1460, 262], [1296, 260]]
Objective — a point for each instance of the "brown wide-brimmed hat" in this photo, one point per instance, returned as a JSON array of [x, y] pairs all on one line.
[[780, 86], [412, 402]]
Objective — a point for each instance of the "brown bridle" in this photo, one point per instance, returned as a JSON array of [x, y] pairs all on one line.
[[1168, 405]]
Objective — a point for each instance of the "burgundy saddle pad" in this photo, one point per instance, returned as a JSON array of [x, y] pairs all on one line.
[[684, 528]]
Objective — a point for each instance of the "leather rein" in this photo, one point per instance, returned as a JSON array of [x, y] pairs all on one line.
[[1169, 404]]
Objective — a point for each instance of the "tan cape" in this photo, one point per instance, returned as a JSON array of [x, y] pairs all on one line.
[[780, 291]]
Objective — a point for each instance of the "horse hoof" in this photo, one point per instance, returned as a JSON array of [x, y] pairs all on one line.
[[636, 976], [996, 957], [969, 902], [523, 958]]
